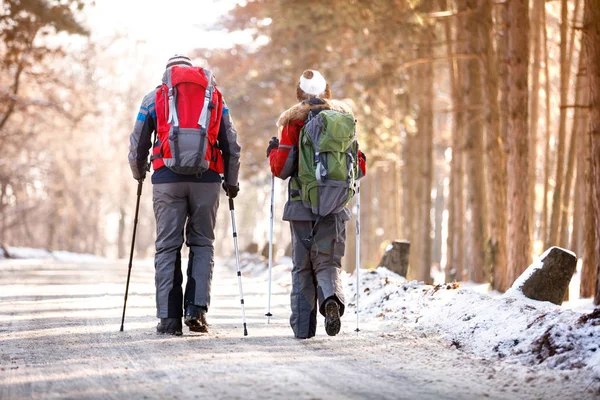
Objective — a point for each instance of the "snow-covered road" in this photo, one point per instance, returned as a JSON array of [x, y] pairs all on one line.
[[59, 338]]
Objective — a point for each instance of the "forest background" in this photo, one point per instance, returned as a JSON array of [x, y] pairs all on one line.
[[479, 119]]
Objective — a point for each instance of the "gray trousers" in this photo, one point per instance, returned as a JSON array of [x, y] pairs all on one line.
[[316, 270], [193, 206]]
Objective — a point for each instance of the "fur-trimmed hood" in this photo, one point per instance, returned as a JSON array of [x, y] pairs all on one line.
[[299, 112]]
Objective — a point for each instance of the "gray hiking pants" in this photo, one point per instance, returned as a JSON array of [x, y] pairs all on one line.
[[193, 206], [316, 270]]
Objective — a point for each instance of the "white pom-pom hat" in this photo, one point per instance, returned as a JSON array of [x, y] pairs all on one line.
[[312, 84]]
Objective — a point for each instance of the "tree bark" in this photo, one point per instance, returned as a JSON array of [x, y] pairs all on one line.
[[544, 233], [426, 131], [566, 200], [588, 251], [581, 159], [476, 198], [591, 40], [121, 247], [496, 162], [518, 222], [536, 24], [502, 44], [436, 251], [562, 128], [455, 246]]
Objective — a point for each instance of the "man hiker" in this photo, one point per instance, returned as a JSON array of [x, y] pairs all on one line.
[[195, 141], [318, 240]]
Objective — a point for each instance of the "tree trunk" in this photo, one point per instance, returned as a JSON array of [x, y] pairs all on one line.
[[436, 251], [582, 147], [562, 128], [502, 44], [580, 216], [588, 251], [476, 197], [367, 229], [455, 246], [518, 222], [566, 200], [426, 132], [389, 192], [121, 251], [589, 255], [536, 24], [591, 36], [496, 162], [544, 233]]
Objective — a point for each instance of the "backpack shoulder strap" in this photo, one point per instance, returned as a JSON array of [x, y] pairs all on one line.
[[172, 93], [206, 114]]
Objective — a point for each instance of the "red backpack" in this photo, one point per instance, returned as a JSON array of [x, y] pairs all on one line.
[[188, 114]]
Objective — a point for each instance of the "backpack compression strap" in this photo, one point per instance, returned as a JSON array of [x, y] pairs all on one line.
[[173, 120], [206, 114], [208, 106], [172, 93]]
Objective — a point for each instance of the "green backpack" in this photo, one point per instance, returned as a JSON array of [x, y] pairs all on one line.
[[328, 161]]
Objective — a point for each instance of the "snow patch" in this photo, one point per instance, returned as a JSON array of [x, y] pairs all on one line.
[[509, 327], [43, 254]]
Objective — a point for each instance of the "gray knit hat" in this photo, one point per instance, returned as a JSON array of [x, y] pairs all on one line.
[[179, 59]]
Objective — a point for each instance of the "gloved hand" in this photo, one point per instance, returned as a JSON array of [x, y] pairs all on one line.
[[273, 144], [231, 190], [139, 174]]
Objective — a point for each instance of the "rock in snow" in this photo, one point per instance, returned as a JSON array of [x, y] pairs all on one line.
[[547, 279]]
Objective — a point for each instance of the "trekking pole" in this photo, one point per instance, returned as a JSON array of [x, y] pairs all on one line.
[[135, 221], [357, 248], [237, 261], [268, 314]]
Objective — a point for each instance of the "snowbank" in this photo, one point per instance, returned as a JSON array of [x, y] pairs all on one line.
[[42, 254], [510, 327]]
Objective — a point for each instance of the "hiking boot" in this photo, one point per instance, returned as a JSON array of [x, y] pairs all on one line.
[[169, 326], [332, 317], [195, 318]]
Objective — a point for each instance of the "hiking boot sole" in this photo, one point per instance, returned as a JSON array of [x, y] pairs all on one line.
[[176, 333], [332, 318], [165, 331]]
